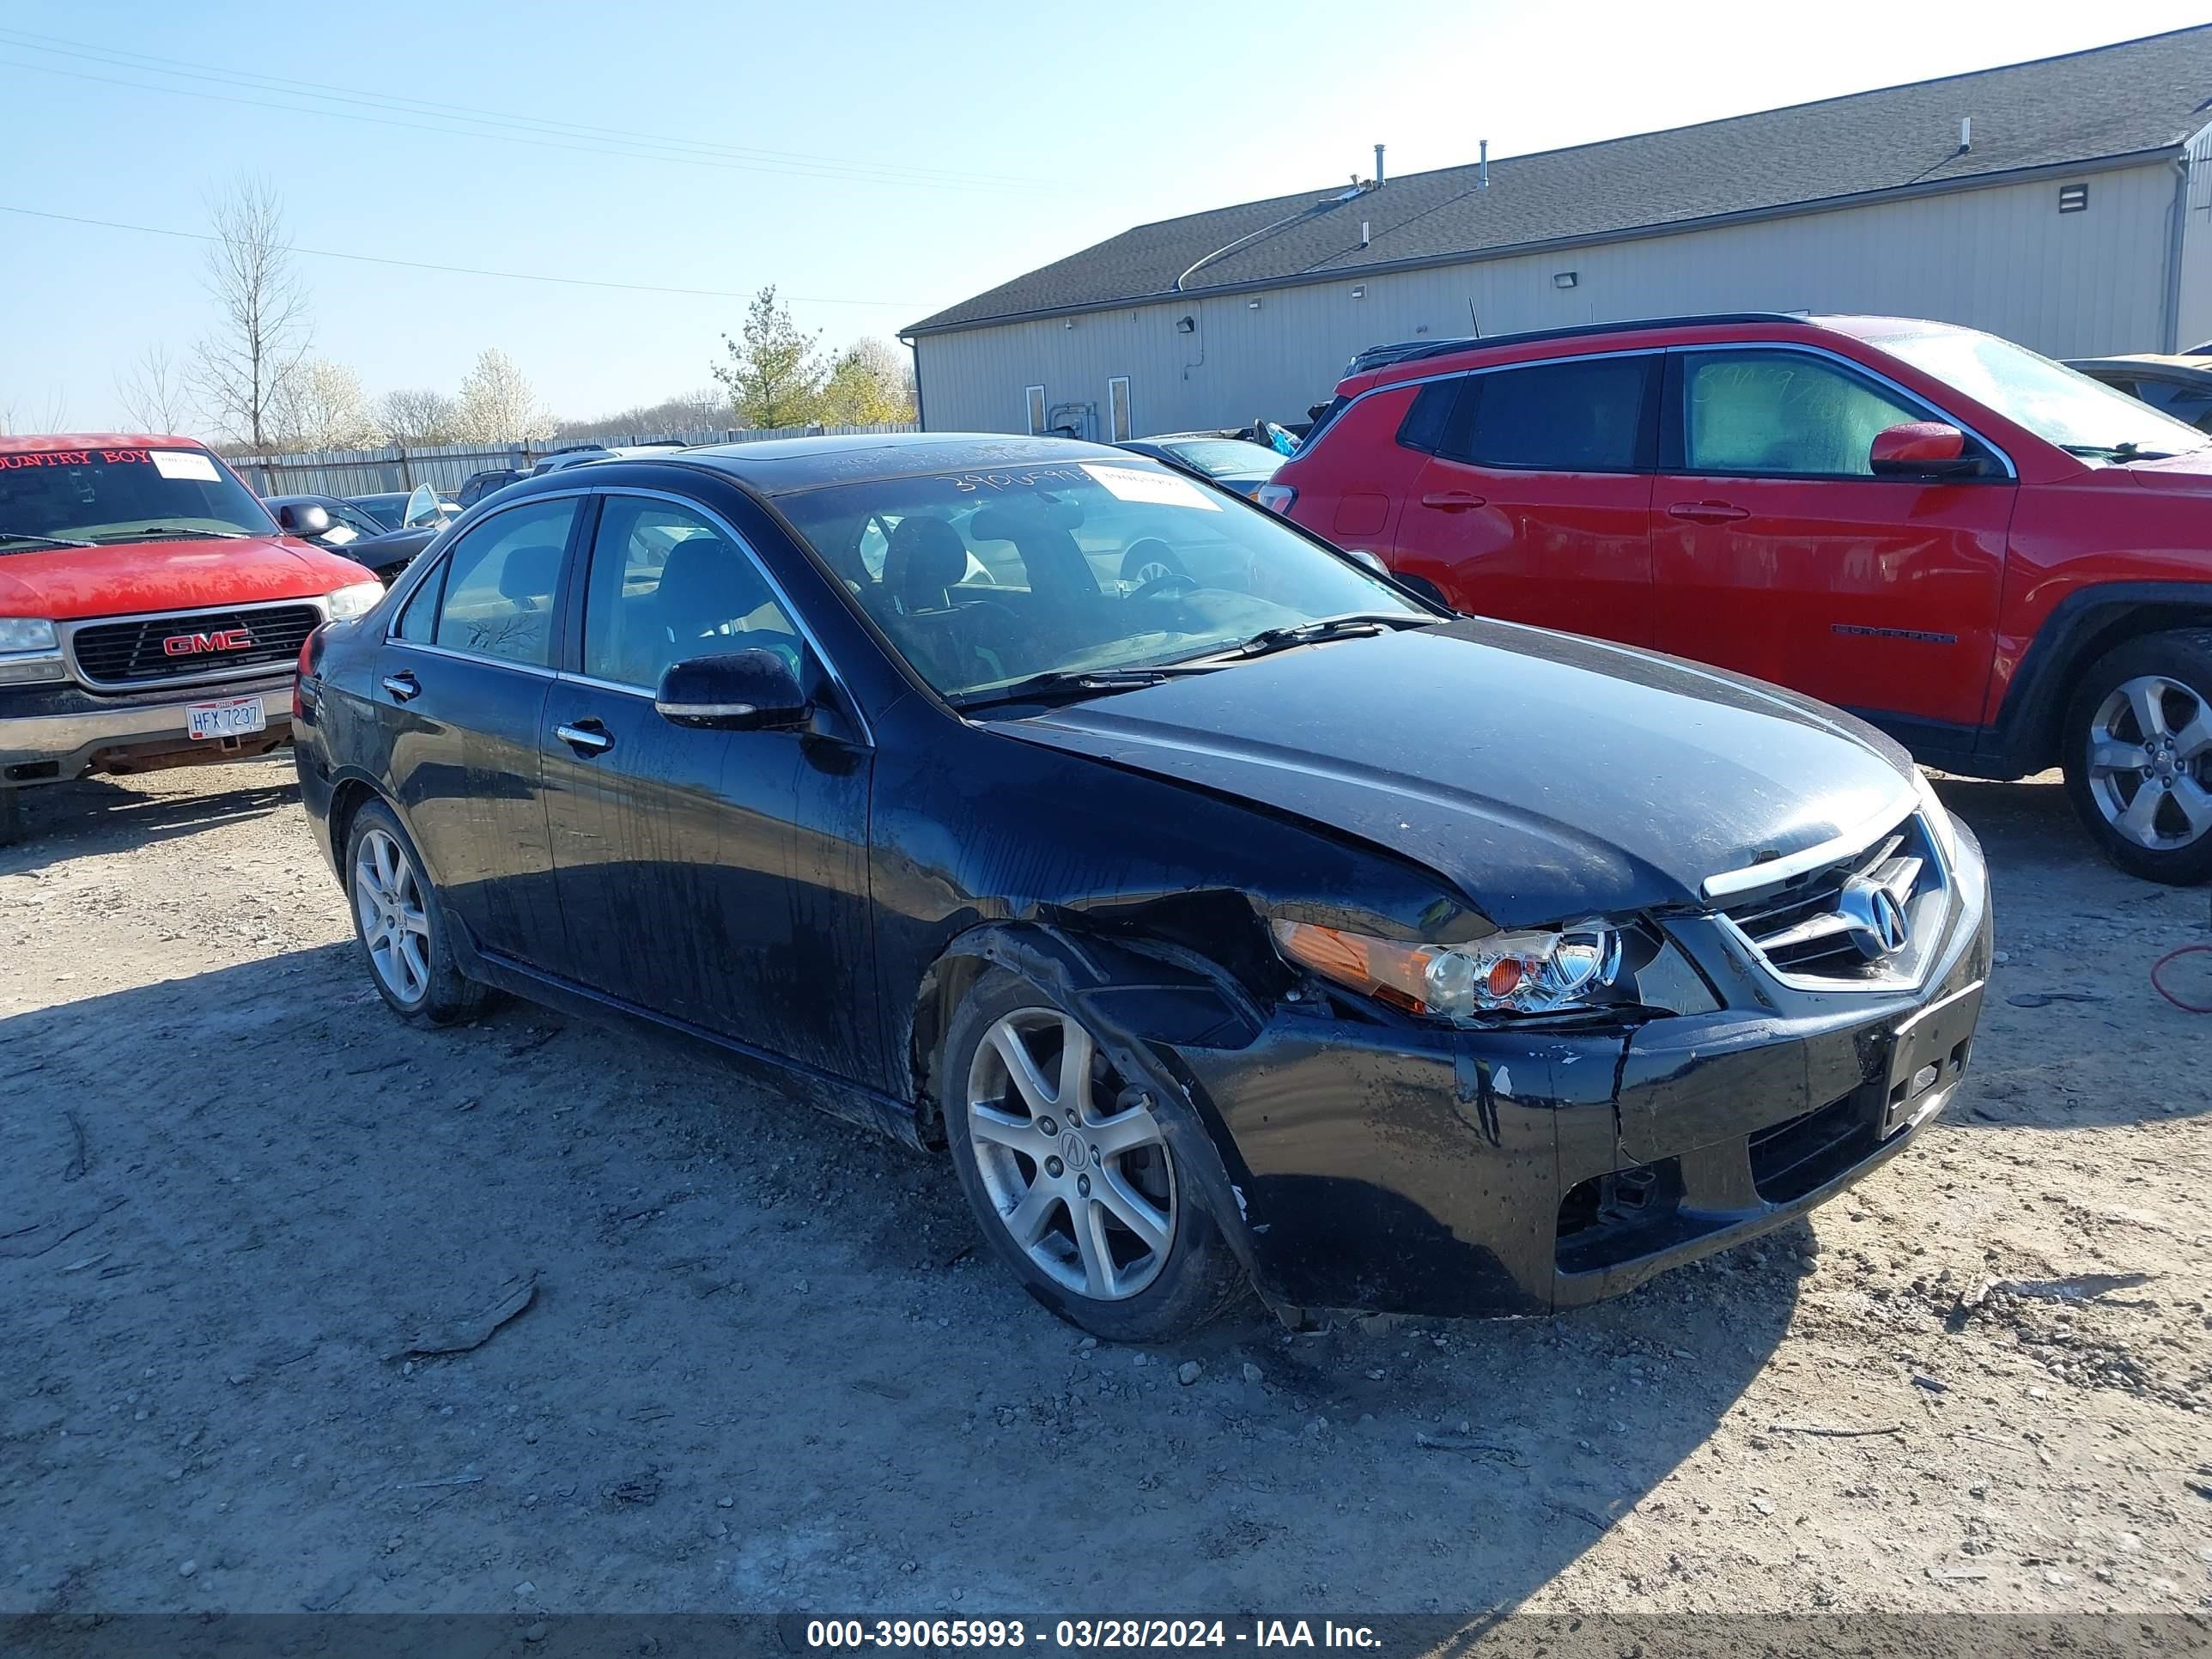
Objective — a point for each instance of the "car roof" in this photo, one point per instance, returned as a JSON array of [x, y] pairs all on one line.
[[340, 501], [2175, 363], [25, 442], [786, 466], [1868, 328]]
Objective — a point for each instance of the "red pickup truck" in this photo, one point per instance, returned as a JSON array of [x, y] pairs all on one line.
[[2002, 563], [151, 610]]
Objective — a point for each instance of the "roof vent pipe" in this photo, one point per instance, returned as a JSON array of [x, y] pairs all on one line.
[[1966, 133], [1378, 167], [1364, 238], [1485, 164]]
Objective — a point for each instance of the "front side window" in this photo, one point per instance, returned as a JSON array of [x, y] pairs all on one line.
[[987, 578], [108, 495], [500, 580], [1582, 415], [667, 586], [1783, 412]]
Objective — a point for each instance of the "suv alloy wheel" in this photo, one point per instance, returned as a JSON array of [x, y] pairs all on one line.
[[2138, 756]]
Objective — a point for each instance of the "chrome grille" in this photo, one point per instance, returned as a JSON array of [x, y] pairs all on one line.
[[132, 653], [1863, 919]]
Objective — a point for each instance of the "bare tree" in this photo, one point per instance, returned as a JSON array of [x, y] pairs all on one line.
[[153, 394], [262, 328], [498, 406], [52, 416], [418, 417]]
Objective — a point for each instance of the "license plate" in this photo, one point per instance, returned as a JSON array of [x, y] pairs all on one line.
[[237, 718], [1928, 1054]]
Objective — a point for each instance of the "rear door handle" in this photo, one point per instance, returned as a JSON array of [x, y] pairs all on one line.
[[1707, 512], [403, 687], [585, 736], [1452, 501]]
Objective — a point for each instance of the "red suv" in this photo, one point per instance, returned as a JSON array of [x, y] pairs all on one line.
[[151, 610], [1999, 562]]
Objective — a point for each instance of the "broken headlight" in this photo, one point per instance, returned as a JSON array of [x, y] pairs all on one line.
[[1527, 971]]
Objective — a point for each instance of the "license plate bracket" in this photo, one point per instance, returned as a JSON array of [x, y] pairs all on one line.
[[1928, 1054], [233, 717]]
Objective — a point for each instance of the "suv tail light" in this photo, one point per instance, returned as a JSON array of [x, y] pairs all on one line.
[[1275, 497]]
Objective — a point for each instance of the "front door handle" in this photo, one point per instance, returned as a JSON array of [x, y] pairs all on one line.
[[1707, 512], [404, 687], [1452, 501], [585, 736]]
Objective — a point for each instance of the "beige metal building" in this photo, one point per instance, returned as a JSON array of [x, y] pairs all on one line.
[[2066, 203]]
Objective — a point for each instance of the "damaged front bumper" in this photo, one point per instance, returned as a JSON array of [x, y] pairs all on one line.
[[1411, 1168]]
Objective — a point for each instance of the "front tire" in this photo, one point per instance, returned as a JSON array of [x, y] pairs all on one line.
[[1070, 1169], [2138, 756], [405, 936]]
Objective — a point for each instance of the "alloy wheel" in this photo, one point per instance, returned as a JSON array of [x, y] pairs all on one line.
[[1154, 570], [387, 896], [1075, 1163], [2150, 762]]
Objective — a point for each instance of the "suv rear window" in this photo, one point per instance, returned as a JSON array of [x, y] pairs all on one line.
[[1582, 415]]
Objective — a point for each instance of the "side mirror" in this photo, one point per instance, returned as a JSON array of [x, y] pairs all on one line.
[[421, 508], [745, 691], [1928, 449], [296, 520]]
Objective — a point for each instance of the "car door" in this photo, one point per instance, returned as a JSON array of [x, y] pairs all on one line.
[[461, 689], [1777, 551], [716, 878], [1535, 504]]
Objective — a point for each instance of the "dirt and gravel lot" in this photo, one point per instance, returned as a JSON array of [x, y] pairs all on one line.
[[763, 1367]]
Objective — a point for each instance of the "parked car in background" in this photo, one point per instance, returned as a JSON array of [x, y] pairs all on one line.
[[1233, 463], [151, 610], [1275, 928], [391, 507], [477, 485], [576, 454], [421, 519], [2000, 561], [343, 521], [2177, 386]]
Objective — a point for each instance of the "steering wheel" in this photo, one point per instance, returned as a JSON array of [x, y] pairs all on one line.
[[1160, 584]]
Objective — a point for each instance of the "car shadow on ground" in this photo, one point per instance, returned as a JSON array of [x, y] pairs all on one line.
[[59, 818], [765, 1364]]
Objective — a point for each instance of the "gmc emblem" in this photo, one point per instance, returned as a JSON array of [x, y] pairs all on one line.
[[192, 644]]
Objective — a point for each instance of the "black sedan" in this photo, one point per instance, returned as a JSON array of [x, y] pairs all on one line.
[[1270, 928], [343, 523], [1233, 463], [2179, 385]]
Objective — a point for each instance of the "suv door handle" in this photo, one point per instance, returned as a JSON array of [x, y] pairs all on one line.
[[1452, 501], [404, 687], [587, 737], [1707, 512]]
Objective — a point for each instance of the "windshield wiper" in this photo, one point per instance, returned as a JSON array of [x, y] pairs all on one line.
[[2129, 451], [44, 541], [163, 530], [1071, 684], [1356, 626]]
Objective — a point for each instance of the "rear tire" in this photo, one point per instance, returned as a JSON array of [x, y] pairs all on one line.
[[405, 936], [1068, 1167], [2137, 751], [11, 816]]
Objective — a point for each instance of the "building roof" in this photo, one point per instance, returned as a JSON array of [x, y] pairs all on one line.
[[2130, 99]]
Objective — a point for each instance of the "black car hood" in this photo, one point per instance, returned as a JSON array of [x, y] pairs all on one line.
[[1545, 776]]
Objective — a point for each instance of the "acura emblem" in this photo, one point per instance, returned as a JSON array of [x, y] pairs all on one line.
[[1873, 917]]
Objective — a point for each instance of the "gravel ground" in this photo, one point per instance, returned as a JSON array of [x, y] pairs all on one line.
[[764, 1367]]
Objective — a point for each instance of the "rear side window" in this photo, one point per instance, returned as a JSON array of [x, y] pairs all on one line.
[[1425, 422], [501, 578], [1585, 415]]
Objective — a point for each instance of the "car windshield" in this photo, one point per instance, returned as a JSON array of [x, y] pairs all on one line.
[[1224, 458], [981, 580], [102, 495], [2055, 403]]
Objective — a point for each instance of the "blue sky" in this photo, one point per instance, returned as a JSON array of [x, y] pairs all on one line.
[[899, 157]]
